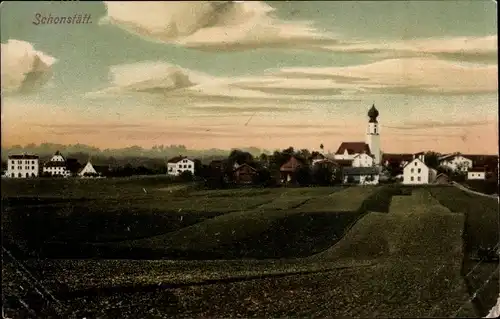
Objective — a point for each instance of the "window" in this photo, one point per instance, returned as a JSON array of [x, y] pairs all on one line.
[[411, 178], [189, 166], [418, 178], [415, 163], [419, 170], [12, 167], [411, 171], [375, 129], [19, 167], [33, 167]]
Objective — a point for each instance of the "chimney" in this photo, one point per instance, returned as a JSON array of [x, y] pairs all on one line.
[[422, 157]]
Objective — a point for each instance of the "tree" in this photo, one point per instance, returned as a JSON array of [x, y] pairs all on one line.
[[322, 175], [432, 159], [186, 176], [303, 176]]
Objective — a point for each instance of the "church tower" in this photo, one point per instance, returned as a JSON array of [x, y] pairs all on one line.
[[373, 135]]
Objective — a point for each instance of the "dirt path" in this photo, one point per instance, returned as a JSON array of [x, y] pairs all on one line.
[[457, 185]]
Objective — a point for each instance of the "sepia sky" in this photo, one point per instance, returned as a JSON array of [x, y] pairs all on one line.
[[267, 74]]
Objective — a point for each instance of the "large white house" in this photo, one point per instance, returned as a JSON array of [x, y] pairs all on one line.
[[478, 173], [416, 172], [363, 160], [371, 147], [179, 164], [456, 162], [22, 166], [56, 166]]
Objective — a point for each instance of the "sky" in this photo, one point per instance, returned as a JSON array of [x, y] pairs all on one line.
[[229, 74]]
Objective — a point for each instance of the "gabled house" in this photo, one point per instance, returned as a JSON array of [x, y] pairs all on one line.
[[361, 175], [179, 164], [289, 169], [348, 150], [456, 162], [88, 171], [244, 174], [476, 173], [56, 166], [416, 172], [363, 160]]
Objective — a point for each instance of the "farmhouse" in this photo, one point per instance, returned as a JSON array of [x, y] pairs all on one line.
[[22, 166], [416, 172], [179, 164], [56, 166], [456, 162], [361, 175], [244, 174], [476, 173]]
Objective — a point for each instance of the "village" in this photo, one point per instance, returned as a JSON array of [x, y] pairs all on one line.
[[359, 163]]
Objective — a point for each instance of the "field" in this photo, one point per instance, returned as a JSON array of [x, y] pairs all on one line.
[[174, 250]]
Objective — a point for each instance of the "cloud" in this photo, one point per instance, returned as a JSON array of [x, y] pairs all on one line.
[[410, 76], [304, 89], [24, 69], [438, 125], [213, 25], [465, 48], [171, 87]]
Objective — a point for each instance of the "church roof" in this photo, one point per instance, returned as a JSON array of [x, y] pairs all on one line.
[[353, 148], [373, 114]]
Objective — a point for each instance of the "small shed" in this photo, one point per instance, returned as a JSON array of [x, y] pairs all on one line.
[[442, 179], [244, 174]]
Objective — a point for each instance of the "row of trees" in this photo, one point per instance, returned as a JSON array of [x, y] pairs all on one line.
[[268, 169]]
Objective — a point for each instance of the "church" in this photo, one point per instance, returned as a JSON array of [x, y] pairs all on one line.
[[367, 153], [361, 160]]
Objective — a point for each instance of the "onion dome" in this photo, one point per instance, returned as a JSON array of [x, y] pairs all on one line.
[[373, 114]]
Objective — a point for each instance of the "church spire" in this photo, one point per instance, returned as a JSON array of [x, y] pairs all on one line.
[[373, 114]]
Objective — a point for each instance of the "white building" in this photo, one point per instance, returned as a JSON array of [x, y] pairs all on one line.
[[363, 160], [22, 166], [416, 172], [179, 164], [456, 162], [361, 175], [373, 135], [87, 170], [476, 173], [56, 166]]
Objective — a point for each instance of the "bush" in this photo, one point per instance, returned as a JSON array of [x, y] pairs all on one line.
[[185, 176]]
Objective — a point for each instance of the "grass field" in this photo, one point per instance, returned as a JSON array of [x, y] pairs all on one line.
[[386, 251]]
